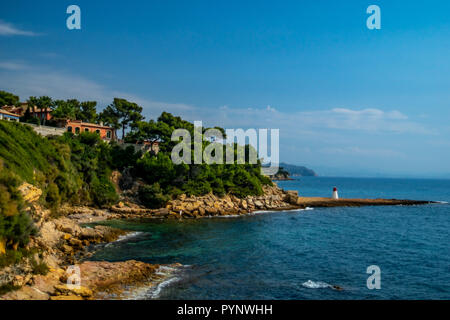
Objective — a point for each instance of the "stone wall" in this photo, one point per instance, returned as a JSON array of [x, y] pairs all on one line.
[[47, 131], [141, 147]]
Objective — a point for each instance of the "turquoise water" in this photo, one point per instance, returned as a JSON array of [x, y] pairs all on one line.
[[298, 254]]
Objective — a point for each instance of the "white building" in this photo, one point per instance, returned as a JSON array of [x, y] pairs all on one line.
[[5, 115]]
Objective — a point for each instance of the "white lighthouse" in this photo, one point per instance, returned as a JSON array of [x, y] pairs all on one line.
[[335, 194]]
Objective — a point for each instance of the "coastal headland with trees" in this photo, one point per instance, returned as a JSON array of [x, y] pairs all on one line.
[[51, 185]]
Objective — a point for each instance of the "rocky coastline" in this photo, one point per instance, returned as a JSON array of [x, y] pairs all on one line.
[[210, 205], [273, 199], [282, 179], [66, 241]]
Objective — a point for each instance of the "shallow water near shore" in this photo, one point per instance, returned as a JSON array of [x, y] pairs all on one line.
[[302, 254]]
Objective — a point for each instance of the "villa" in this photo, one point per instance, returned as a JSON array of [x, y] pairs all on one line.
[[5, 115], [14, 113], [78, 126], [42, 114]]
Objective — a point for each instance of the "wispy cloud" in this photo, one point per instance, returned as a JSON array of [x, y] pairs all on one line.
[[368, 120], [338, 119], [26, 80], [152, 109], [373, 114], [364, 152], [344, 134], [7, 29], [12, 65]]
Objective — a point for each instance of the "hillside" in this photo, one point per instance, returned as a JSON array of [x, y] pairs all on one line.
[[295, 170], [77, 169], [69, 169]]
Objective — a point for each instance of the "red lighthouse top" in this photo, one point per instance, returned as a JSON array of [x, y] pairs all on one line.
[[334, 189]]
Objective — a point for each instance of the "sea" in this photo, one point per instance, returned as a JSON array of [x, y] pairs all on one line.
[[387, 252]]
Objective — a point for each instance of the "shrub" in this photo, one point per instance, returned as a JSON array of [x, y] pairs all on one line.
[[8, 288], [39, 267], [53, 198], [16, 229], [124, 158], [12, 257], [197, 188], [152, 196], [15, 224], [103, 191]]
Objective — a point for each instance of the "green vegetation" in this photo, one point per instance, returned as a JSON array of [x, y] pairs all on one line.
[[68, 169], [8, 288], [120, 114], [15, 224], [152, 196], [8, 99], [298, 170], [39, 267], [91, 158], [75, 110], [28, 117], [41, 102], [12, 257], [167, 178], [76, 169], [61, 109], [281, 174]]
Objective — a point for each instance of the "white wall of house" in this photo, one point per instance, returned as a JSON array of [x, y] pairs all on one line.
[[8, 118]]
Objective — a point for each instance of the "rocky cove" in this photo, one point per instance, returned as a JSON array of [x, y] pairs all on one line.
[[63, 242], [66, 240]]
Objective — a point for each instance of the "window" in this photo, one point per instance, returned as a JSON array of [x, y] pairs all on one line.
[[97, 131], [86, 129], [69, 129], [77, 130], [108, 134]]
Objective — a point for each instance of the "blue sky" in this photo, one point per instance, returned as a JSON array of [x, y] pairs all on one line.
[[347, 100]]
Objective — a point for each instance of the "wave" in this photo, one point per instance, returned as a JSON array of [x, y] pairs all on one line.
[[254, 213], [289, 210], [165, 270], [305, 209], [170, 275], [157, 291], [442, 202], [320, 285], [125, 237], [223, 217], [316, 285]]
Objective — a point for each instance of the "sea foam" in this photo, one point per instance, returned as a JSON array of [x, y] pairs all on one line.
[[315, 284], [152, 291], [124, 237]]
